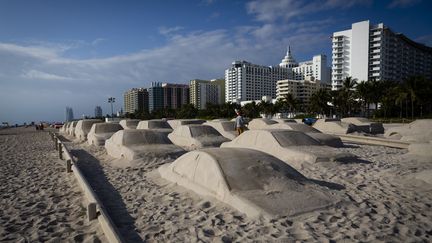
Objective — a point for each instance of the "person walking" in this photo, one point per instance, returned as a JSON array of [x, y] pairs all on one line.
[[240, 123]]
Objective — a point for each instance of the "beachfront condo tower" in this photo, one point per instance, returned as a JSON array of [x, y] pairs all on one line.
[[367, 52]]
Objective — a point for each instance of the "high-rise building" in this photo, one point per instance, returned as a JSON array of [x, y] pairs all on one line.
[[166, 95], [98, 112], [155, 95], [136, 99], [316, 68], [69, 114], [204, 91], [247, 81], [301, 90], [175, 95], [367, 52]]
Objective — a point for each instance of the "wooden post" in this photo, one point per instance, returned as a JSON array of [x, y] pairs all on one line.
[[68, 166], [91, 211], [60, 151], [56, 143]]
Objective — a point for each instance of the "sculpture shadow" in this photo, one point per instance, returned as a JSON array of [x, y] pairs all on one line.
[[110, 197], [330, 185]]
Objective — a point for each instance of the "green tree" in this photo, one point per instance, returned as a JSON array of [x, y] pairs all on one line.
[[319, 102]]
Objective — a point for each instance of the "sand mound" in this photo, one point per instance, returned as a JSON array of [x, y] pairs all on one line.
[[224, 127], [129, 123], [100, 132], [248, 180], [334, 126], [134, 144], [421, 149], [83, 128], [179, 122], [196, 136], [293, 147], [416, 131], [261, 123]]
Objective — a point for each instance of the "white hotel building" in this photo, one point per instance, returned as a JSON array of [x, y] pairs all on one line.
[[245, 81], [367, 52]]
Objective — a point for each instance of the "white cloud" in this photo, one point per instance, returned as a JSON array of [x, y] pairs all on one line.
[[167, 31], [36, 75], [403, 3], [272, 10], [425, 39]]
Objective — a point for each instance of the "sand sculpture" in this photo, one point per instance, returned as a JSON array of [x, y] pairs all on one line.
[[129, 123], [179, 122], [138, 143], [196, 136], [334, 126], [285, 120], [71, 128], [416, 131], [365, 125], [224, 127], [63, 128], [100, 132], [250, 181], [160, 125], [322, 138], [83, 128], [293, 147], [261, 123]]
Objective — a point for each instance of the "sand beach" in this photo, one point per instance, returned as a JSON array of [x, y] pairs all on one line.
[[39, 201], [383, 199]]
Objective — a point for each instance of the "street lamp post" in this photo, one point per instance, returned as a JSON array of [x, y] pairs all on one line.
[[111, 100]]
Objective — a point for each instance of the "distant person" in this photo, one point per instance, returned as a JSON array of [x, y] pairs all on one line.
[[240, 123]]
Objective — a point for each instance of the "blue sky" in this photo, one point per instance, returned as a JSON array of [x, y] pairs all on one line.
[[58, 53]]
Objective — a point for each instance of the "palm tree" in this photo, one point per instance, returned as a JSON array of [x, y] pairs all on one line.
[[319, 102], [346, 93], [363, 90], [251, 110], [290, 101], [410, 85], [267, 108]]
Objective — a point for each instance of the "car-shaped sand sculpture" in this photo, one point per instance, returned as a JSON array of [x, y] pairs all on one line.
[[160, 125], [140, 143], [179, 122], [225, 128], [71, 128], [293, 147], [261, 123], [195, 136], [129, 123], [324, 139], [100, 132], [250, 181], [416, 131], [285, 120], [334, 126], [365, 125], [83, 128]]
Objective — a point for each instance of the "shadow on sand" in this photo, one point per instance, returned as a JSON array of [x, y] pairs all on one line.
[[110, 197]]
